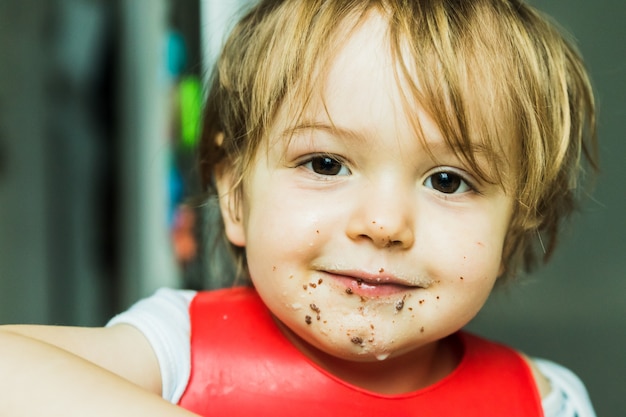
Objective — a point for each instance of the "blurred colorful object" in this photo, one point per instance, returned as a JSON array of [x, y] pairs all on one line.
[[190, 89], [183, 237]]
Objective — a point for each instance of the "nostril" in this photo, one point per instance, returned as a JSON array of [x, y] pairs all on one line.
[[388, 242], [392, 230]]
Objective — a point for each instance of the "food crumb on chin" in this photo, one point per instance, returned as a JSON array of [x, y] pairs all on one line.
[[357, 340]]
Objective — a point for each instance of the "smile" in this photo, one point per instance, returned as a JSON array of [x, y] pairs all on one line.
[[371, 285]]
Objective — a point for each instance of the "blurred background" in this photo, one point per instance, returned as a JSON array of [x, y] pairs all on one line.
[[99, 113]]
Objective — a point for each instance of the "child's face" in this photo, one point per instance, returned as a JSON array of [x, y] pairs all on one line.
[[356, 239]]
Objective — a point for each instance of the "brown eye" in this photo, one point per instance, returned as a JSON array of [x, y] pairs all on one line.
[[447, 183], [325, 165]]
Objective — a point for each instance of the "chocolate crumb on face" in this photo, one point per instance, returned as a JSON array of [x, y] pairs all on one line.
[[305, 287], [319, 281], [348, 290], [381, 270], [314, 308], [399, 305], [313, 285], [356, 340], [422, 329], [307, 319]]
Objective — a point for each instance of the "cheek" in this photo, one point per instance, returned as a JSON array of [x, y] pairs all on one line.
[[468, 248], [280, 229]]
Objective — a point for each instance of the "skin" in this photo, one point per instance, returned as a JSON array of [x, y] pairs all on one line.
[[346, 217], [71, 371]]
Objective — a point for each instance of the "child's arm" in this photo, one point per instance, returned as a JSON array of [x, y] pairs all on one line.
[[54, 371]]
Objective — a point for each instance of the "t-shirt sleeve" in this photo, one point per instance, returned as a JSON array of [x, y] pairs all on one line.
[[568, 396], [164, 320]]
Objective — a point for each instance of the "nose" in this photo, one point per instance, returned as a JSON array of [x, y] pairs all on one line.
[[384, 215]]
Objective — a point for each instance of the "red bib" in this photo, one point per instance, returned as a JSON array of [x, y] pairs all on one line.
[[242, 365]]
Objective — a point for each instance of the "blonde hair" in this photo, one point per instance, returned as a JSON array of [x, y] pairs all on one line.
[[493, 74]]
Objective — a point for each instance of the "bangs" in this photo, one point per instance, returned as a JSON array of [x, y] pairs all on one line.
[[291, 50]]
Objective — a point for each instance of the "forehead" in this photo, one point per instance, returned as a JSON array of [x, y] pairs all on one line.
[[359, 78]]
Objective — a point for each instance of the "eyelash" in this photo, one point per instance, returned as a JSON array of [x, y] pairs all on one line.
[[309, 163], [453, 176]]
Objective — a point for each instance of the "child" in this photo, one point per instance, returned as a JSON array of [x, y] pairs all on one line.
[[379, 166]]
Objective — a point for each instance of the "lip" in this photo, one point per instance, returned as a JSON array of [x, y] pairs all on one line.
[[371, 285]]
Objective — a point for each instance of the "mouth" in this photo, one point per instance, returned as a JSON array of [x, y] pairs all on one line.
[[373, 285]]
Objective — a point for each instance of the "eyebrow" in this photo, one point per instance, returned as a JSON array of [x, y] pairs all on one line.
[[329, 128], [474, 148], [479, 152]]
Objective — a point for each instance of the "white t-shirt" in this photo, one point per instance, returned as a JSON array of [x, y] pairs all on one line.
[[164, 320]]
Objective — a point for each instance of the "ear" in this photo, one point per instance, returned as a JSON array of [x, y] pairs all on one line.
[[230, 204]]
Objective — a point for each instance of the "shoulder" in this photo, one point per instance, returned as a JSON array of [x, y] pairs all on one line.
[[543, 384], [165, 306], [567, 396], [562, 392]]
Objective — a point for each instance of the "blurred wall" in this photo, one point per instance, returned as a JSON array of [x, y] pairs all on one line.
[[53, 151]]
